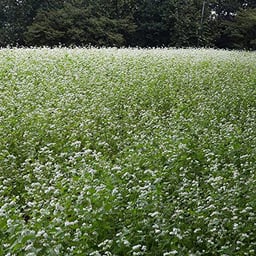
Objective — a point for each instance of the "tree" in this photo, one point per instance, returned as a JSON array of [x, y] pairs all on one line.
[[234, 23], [225, 9], [78, 23], [178, 23], [12, 22], [15, 16], [190, 23], [240, 32], [152, 26]]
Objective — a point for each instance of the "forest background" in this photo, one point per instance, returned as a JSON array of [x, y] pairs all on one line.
[[229, 24]]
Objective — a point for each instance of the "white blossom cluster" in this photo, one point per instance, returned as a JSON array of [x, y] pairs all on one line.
[[127, 152]]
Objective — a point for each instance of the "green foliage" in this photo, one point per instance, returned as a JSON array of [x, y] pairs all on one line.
[[187, 16], [144, 23], [153, 23], [240, 32], [77, 24], [15, 16], [127, 152]]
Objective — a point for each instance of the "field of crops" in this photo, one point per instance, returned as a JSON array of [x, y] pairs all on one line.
[[127, 152]]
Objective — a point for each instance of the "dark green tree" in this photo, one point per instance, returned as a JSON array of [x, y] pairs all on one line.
[[179, 23], [225, 9], [13, 19], [233, 24], [153, 23], [15, 16], [79, 23], [190, 24], [239, 32], [122, 12]]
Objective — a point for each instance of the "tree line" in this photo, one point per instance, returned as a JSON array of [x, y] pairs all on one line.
[[121, 23]]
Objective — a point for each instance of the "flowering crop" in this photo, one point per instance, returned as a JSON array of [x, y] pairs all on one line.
[[127, 152]]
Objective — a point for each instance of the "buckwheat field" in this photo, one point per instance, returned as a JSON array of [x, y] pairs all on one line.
[[127, 152]]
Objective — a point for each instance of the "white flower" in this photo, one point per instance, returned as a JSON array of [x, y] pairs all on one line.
[[174, 252], [136, 247]]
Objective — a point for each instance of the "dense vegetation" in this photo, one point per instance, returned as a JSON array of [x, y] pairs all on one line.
[[143, 23], [127, 152]]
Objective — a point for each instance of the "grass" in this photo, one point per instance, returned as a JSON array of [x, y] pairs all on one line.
[[127, 152]]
